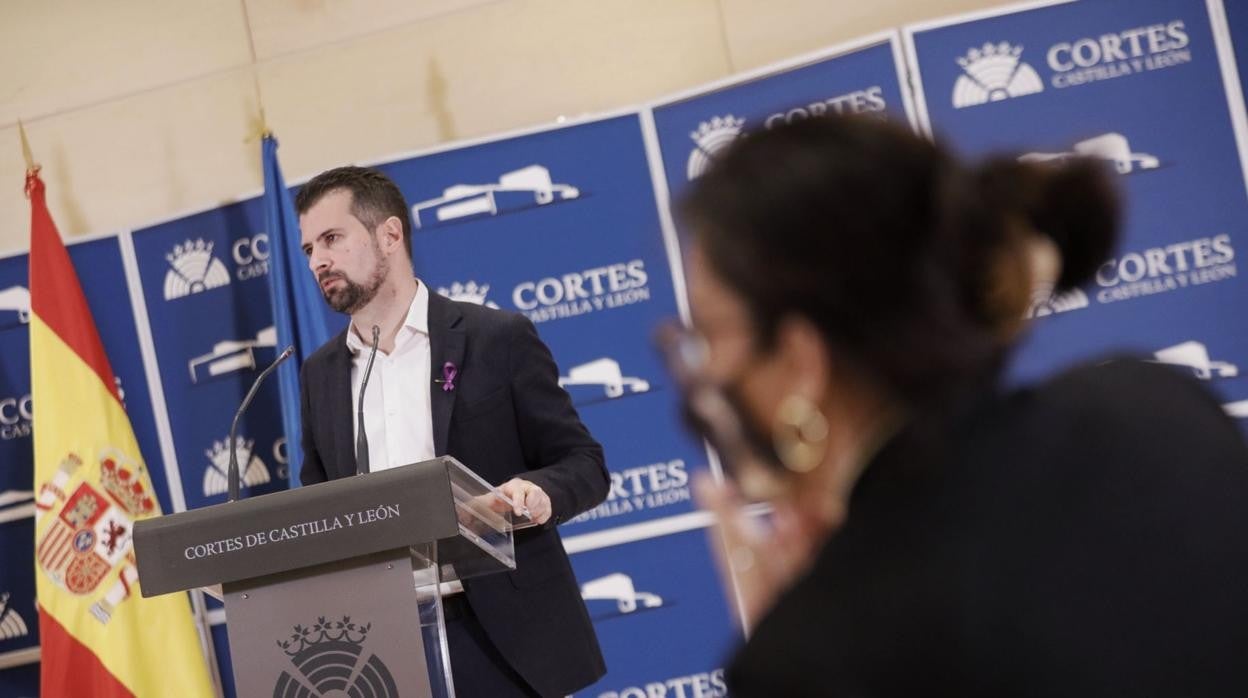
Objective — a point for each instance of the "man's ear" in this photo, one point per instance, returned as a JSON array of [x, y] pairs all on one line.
[[391, 234]]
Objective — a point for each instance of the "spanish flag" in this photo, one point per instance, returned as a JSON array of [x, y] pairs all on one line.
[[99, 636]]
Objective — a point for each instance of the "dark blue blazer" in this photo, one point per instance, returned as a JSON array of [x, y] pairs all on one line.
[[506, 417]]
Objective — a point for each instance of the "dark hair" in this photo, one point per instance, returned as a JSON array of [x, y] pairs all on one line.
[[1073, 202], [374, 197], [887, 243]]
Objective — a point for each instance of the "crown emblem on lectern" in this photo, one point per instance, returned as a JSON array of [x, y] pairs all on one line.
[[330, 656], [326, 632]]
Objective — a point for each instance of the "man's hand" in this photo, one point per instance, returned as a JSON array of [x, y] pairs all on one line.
[[526, 495]]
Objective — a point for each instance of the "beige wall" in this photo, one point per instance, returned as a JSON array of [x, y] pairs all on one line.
[[140, 110]]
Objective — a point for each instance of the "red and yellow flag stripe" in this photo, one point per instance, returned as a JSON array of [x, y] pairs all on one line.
[[99, 636]]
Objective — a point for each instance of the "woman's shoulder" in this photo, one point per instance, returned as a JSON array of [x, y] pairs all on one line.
[[1126, 398], [1115, 379]]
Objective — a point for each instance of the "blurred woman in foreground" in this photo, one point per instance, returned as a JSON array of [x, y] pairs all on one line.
[[854, 290]]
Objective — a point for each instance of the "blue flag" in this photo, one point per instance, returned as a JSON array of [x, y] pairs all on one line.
[[298, 309]]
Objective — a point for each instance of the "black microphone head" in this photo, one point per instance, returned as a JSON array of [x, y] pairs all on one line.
[[376, 334], [286, 353]]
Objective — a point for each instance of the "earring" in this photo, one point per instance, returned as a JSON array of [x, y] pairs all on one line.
[[800, 434]]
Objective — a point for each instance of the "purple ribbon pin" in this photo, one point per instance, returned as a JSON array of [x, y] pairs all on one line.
[[448, 376]]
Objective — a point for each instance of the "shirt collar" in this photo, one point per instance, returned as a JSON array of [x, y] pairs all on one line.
[[417, 319]]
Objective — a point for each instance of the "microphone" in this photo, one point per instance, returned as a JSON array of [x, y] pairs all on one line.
[[361, 439], [233, 472]]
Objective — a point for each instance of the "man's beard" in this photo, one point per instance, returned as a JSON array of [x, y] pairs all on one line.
[[350, 297]]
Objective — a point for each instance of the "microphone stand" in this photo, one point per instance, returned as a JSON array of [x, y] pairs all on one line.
[[361, 439], [233, 472]]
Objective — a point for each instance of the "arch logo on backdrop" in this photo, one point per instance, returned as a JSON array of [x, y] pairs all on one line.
[[12, 625], [712, 136], [996, 71]]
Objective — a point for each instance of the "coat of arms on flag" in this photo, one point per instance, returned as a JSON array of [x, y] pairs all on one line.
[[89, 536]]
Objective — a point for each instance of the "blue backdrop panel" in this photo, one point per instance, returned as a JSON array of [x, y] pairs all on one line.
[[562, 225], [1138, 85], [661, 617], [99, 267], [203, 279], [19, 620], [20, 682], [693, 129]]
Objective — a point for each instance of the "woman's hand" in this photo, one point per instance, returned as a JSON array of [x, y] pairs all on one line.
[[758, 558]]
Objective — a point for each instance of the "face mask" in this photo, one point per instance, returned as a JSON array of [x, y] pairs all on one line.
[[716, 412]]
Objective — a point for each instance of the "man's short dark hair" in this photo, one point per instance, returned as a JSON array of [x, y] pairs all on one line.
[[374, 197]]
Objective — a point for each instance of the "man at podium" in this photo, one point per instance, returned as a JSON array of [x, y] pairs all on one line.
[[458, 379]]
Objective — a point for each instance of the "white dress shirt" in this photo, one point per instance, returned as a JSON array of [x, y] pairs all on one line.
[[397, 417]]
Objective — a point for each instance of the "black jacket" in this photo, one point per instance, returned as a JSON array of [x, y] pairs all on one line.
[[1085, 538], [506, 417]]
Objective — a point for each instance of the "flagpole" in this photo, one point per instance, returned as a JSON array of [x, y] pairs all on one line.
[[31, 166]]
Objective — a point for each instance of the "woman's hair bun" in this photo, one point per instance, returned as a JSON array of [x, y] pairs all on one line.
[[1074, 202]]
